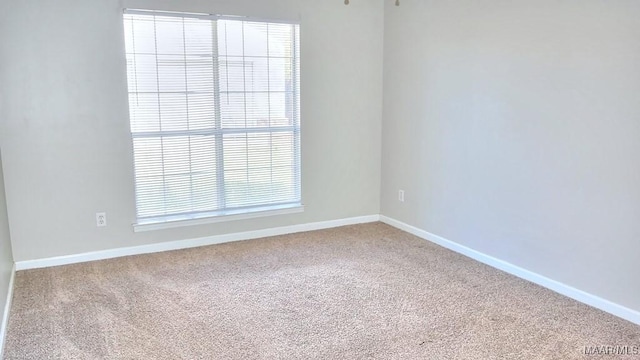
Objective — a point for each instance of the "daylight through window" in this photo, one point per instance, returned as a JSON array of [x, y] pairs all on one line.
[[215, 114]]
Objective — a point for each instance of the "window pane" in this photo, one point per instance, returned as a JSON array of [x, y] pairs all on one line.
[[143, 40], [257, 109], [172, 76], [235, 152], [230, 42], [202, 112], [142, 73], [177, 193], [232, 74], [169, 35], [256, 41], [146, 160], [198, 37], [279, 74], [144, 112], [256, 74], [173, 111], [150, 196], [176, 155], [232, 110], [200, 73], [280, 37]]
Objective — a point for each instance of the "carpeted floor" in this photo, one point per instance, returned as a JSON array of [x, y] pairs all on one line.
[[357, 292]]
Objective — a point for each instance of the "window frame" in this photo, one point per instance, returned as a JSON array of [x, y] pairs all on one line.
[[227, 213]]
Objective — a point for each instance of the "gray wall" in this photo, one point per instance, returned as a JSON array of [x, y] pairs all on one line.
[[514, 128], [66, 139], [6, 258]]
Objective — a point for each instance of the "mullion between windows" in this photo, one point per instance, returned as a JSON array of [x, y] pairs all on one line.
[[186, 84], [219, 138], [295, 112]]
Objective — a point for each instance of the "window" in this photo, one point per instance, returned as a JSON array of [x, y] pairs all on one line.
[[215, 114]]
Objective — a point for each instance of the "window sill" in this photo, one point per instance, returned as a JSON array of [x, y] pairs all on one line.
[[257, 213]]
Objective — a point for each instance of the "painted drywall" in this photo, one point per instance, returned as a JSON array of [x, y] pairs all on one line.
[[513, 127], [66, 141], [6, 257]]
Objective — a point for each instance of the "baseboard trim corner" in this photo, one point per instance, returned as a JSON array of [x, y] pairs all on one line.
[[189, 243], [5, 314], [561, 288]]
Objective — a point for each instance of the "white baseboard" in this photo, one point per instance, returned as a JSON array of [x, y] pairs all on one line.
[[5, 315], [190, 243], [566, 290]]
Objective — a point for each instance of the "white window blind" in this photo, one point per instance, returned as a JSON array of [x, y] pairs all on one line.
[[215, 114]]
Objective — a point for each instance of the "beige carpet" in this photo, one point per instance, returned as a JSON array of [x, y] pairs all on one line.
[[357, 292]]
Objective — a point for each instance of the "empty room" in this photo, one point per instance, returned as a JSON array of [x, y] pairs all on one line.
[[319, 179]]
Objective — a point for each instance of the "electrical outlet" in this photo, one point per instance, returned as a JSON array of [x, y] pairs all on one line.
[[101, 219], [401, 195]]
